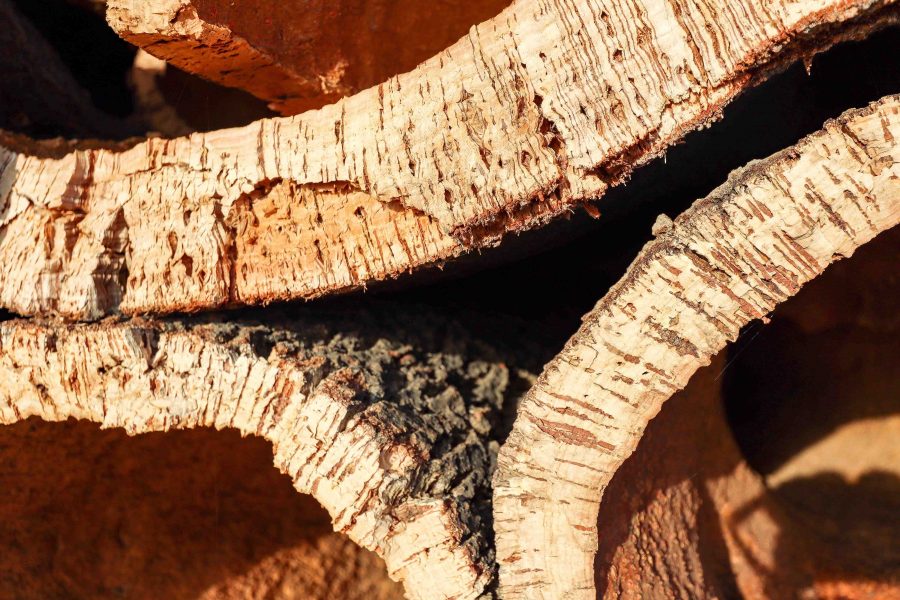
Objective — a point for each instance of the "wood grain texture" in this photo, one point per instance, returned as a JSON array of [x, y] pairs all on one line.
[[730, 259], [393, 435], [530, 115]]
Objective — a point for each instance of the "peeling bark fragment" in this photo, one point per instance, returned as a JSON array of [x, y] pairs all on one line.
[[394, 436], [532, 113], [729, 259]]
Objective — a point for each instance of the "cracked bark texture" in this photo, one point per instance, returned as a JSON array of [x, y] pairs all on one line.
[[297, 57], [531, 114], [394, 436], [730, 259]]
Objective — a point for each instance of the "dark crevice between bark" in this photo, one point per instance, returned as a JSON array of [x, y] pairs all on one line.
[[65, 85], [548, 278]]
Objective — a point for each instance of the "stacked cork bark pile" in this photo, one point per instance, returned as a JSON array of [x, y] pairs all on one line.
[[159, 283]]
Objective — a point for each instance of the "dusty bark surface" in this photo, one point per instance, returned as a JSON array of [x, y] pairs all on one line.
[[297, 56], [394, 436], [728, 260], [531, 114]]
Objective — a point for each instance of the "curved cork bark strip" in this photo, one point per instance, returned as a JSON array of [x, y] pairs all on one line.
[[535, 111], [730, 259], [296, 56], [393, 438]]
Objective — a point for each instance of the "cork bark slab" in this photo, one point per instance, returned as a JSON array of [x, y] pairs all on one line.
[[393, 437], [729, 259], [296, 56], [532, 113]]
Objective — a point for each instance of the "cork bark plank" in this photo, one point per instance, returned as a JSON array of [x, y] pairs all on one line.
[[390, 430], [531, 114], [296, 57], [729, 259]]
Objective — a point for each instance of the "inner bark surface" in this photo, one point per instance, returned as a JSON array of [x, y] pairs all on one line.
[[813, 400], [776, 472], [349, 44], [91, 513]]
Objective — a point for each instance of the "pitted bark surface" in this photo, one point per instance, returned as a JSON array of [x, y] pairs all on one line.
[[531, 114]]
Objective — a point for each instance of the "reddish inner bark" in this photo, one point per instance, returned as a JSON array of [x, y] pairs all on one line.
[[372, 39], [88, 513], [790, 473]]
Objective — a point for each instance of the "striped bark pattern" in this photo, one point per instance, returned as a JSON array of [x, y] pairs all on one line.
[[729, 259], [531, 114]]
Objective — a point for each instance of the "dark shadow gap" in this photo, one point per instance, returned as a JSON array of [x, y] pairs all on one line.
[[550, 277]]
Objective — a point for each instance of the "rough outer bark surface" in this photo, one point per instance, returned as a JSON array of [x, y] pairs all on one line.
[[532, 113], [297, 56], [392, 437], [729, 259]]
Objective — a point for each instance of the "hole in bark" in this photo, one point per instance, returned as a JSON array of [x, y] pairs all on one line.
[[776, 472], [90, 513]]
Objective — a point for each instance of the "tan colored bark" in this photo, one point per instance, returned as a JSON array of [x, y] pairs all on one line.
[[730, 259], [530, 115], [393, 438], [297, 56], [802, 506]]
